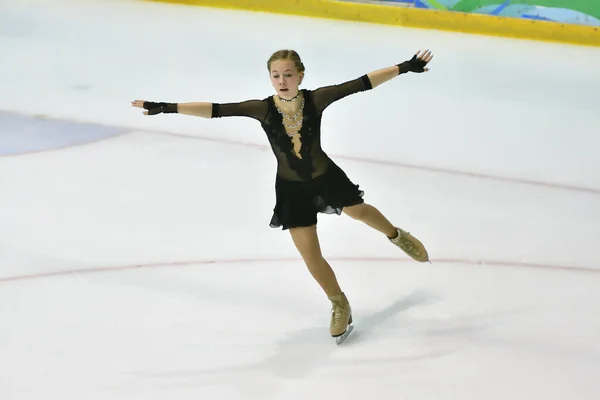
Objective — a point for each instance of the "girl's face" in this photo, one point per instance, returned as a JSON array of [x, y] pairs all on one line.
[[285, 78]]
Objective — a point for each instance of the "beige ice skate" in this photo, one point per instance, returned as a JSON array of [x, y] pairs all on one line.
[[410, 245], [341, 315]]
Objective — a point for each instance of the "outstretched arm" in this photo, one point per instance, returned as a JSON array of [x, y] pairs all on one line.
[[416, 64], [256, 109], [326, 95]]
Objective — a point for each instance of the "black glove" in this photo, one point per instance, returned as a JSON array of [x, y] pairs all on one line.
[[413, 65], [157, 108]]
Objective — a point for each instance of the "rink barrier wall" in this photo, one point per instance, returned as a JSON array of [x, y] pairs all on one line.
[[483, 24]]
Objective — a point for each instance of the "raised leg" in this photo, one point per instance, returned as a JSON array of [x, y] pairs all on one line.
[[373, 217]]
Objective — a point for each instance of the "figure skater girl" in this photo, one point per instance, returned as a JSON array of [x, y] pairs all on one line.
[[308, 181]]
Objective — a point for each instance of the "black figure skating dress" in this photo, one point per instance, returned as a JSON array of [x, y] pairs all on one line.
[[308, 182]]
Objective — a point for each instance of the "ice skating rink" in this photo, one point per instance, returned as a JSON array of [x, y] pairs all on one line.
[[136, 260]]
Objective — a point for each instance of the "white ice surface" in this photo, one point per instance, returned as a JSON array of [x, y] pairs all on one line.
[[222, 307]]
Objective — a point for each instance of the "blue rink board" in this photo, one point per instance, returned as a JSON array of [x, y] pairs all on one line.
[[21, 134]]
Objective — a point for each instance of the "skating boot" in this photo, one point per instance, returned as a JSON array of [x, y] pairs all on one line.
[[410, 245], [341, 317]]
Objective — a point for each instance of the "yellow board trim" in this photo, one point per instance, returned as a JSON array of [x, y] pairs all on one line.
[[518, 28]]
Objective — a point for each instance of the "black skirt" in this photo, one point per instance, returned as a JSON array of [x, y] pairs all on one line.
[[299, 202]]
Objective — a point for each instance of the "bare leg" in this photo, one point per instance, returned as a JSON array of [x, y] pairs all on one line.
[[307, 243], [373, 217]]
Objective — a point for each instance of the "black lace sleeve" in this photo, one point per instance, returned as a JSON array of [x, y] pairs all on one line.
[[256, 109], [326, 95]]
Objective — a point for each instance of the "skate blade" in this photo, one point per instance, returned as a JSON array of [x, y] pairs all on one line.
[[340, 339]]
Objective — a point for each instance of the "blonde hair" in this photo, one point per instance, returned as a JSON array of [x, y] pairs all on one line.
[[286, 55]]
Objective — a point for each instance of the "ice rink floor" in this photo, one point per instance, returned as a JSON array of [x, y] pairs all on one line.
[[136, 260]]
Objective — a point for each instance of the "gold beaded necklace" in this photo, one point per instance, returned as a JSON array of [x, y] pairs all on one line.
[[296, 120]]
